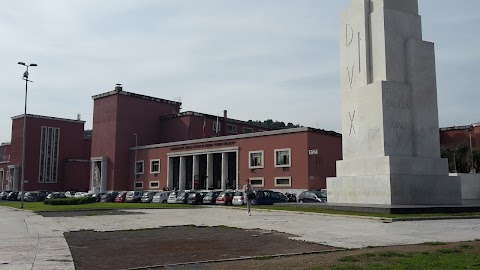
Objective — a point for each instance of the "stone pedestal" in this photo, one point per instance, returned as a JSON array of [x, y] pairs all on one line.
[[390, 133]]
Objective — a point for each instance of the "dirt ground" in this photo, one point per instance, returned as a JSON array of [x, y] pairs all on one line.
[[170, 247]]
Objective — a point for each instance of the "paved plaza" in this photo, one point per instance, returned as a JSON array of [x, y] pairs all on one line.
[[31, 241]]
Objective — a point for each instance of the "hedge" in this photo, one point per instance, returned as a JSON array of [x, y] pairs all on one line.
[[70, 201]]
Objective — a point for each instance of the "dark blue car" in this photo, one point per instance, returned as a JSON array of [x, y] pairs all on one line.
[[267, 197]]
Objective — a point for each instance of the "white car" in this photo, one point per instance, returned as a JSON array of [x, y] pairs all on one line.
[[172, 197], [239, 198], [161, 197]]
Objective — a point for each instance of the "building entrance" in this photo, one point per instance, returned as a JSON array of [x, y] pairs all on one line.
[[212, 170]]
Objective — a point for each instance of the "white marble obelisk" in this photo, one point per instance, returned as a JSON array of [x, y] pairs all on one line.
[[390, 134]]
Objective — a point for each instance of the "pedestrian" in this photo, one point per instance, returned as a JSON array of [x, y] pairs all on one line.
[[249, 195]]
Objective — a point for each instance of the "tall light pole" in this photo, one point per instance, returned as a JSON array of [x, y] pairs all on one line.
[[135, 163], [470, 130], [25, 77]]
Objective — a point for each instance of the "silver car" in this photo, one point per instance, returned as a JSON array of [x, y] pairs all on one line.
[[239, 198], [172, 198], [161, 197]]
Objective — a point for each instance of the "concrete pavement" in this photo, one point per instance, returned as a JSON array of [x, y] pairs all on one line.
[[30, 241]]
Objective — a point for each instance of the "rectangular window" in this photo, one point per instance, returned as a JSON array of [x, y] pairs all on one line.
[[155, 166], [256, 159], [139, 185], [49, 149], [282, 157], [154, 184], [257, 182], [283, 181], [139, 167], [247, 130], [232, 128]]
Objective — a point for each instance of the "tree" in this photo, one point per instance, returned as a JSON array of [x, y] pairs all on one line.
[[460, 158], [87, 133], [270, 124]]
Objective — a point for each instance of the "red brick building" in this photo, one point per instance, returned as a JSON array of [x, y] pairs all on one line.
[[57, 155], [186, 150], [461, 135], [166, 148]]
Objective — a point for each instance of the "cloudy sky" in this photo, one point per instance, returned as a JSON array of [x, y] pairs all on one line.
[[258, 59]]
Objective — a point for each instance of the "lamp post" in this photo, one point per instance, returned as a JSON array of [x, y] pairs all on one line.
[[135, 163], [25, 77], [454, 160], [470, 129]]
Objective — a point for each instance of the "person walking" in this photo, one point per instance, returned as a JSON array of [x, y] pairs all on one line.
[[249, 195]]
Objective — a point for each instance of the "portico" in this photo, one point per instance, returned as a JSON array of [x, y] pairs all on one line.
[[203, 169]]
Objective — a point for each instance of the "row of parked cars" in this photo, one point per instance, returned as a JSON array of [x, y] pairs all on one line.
[[228, 197]]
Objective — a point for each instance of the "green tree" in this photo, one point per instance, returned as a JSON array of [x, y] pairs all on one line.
[[460, 158]]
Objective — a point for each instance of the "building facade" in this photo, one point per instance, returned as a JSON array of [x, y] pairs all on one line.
[[147, 143], [56, 155]]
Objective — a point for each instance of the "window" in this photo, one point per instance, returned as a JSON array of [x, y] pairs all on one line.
[[232, 128], [154, 184], [282, 158], [256, 159], [256, 182], [155, 166], [283, 181], [49, 148], [139, 167], [247, 130], [215, 127], [139, 185]]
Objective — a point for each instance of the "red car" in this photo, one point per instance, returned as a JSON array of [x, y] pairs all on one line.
[[225, 197], [121, 197]]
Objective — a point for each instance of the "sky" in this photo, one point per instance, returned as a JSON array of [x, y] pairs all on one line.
[[257, 59]]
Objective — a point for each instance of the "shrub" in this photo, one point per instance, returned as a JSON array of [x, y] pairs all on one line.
[[69, 201]]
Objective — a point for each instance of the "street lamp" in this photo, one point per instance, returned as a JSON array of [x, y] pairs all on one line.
[[470, 129], [25, 77], [135, 163], [454, 160]]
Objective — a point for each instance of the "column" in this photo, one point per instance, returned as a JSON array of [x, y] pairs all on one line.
[[224, 170], [195, 170], [209, 170], [170, 174], [182, 175]]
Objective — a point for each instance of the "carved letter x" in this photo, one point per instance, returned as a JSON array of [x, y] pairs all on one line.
[[352, 117]]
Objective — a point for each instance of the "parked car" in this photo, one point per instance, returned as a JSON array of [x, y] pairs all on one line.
[[98, 196], [147, 196], [32, 197], [109, 196], [19, 196], [12, 196], [172, 198], [282, 196], [70, 194], [4, 194], [239, 198], [121, 197], [210, 197], [134, 196], [267, 197], [196, 197], [313, 196], [182, 196], [161, 197], [225, 198], [56, 195]]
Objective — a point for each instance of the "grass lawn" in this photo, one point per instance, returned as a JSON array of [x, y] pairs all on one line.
[[313, 209], [465, 256], [40, 206]]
